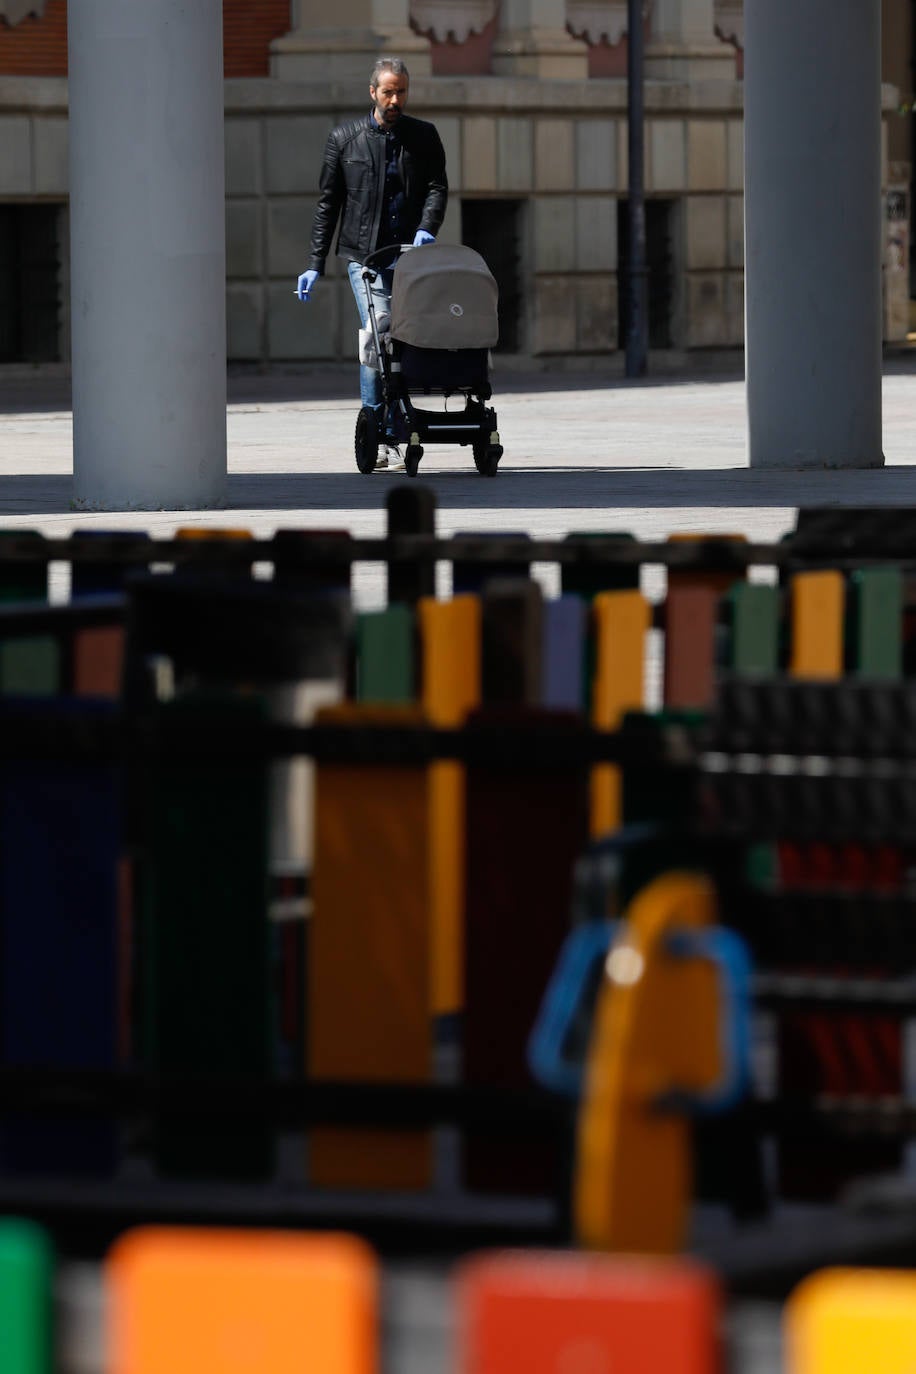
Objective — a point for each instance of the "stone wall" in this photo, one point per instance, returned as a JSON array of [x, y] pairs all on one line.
[[558, 148]]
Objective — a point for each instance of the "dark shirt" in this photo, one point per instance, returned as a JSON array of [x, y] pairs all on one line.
[[390, 229]]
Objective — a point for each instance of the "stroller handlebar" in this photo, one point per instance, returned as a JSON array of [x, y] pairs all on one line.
[[397, 248]]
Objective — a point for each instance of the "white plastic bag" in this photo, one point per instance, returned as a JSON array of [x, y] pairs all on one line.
[[366, 353]]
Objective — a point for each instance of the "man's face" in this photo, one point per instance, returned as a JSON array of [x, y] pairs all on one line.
[[389, 98]]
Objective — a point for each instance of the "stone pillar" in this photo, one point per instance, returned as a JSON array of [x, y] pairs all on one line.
[[532, 40], [683, 44], [148, 257], [812, 94], [363, 30]]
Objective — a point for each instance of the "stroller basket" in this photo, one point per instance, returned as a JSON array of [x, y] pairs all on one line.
[[449, 369]]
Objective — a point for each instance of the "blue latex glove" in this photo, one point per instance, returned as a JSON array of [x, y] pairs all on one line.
[[305, 283], [421, 237]]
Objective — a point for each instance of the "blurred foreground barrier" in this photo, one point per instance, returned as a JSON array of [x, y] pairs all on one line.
[[377, 976]]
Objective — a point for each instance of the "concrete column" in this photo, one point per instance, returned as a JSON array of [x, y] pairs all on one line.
[[812, 93], [362, 31], [532, 40], [684, 46], [148, 258]]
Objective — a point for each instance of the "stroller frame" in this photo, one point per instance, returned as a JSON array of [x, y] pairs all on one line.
[[475, 425]]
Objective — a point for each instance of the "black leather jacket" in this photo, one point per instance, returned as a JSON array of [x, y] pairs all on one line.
[[351, 186]]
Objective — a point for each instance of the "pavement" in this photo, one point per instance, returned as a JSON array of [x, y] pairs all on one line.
[[583, 451]]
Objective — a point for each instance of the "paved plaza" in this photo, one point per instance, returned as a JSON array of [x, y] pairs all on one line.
[[583, 451]]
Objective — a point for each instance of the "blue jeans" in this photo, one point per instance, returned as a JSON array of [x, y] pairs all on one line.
[[370, 381]]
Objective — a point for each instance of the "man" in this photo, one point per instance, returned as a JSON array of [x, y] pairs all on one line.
[[383, 177]]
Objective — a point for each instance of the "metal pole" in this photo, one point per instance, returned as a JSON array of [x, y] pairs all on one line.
[[637, 342]]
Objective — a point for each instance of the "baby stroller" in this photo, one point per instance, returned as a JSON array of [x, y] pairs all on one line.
[[443, 323]]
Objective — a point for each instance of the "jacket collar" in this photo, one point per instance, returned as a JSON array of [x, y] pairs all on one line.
[[376, 128]]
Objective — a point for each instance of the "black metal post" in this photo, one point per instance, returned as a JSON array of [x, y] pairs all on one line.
[[637, 341]]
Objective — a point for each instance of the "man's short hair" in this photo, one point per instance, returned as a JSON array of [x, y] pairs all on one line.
[[395, 65]]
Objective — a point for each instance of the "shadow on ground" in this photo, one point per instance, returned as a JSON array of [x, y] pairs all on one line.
[[581, 489], [606, 488]]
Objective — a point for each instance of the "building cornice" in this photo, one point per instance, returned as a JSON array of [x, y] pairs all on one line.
[[14, 11]]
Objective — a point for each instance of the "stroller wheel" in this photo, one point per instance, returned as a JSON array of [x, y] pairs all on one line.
[[412, 456], [366, 441], [486, 457]]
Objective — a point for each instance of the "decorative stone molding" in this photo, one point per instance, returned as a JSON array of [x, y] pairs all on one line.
[[600, 20], [729, 16], [451, 19], [14, 11]]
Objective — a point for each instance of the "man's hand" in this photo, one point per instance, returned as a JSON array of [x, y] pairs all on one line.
[[422, 237], [305, 284]]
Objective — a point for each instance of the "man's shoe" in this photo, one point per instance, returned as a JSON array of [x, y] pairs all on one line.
[[390, 457]]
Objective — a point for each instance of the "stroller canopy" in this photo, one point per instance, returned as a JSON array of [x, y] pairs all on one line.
[[444, 296]]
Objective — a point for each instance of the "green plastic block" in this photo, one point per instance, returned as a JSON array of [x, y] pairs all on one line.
[[762, 867], [874, 623], [26, 1272], [385, 656], [752, 638], [30, 666]]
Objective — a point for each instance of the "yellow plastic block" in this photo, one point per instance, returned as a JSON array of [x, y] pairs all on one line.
[[621, 623], [229, 1302], [450, 637], [655, 1028], [818, 603], [852, 1321], [369, 952]]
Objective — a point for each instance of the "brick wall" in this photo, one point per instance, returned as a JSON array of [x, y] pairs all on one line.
[[248, 29], [38, 47]]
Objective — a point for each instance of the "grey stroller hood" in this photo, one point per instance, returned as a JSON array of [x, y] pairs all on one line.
[[444, 296]]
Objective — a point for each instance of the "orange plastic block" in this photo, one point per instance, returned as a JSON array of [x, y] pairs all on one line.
[[621, 622], [587, 1314], [369, 952], [852, 1321], [450, 639], [212, 532], [818, 603], [235, 1302]]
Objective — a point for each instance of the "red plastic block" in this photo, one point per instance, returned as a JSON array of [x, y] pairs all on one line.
[[568, 1313]]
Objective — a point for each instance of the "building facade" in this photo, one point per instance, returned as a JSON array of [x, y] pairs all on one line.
[[530, 99]]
